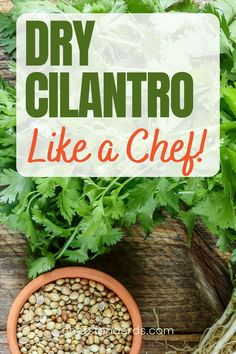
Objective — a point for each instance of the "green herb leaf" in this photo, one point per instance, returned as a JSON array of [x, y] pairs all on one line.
[[40, 265]]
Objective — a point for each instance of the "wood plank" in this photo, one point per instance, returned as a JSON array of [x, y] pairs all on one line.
[[176, 338], [175, 286], [161, 273]]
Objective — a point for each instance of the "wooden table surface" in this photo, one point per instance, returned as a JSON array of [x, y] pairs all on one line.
[[176, 287]]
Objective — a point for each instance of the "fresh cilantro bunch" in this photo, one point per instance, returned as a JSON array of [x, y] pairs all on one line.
[[75, 219]]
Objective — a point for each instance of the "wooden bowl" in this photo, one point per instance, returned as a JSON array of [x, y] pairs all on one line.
[[75, 272]]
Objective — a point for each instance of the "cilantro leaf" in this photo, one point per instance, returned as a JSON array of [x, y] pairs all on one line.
[[48, 225], [79, 255], [40, 265], [75, 219], [218, 209], [16, 186]]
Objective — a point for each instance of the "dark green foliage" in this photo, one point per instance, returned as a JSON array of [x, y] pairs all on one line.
[[74, 219]]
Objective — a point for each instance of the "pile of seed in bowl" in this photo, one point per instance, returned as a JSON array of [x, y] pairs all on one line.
[[74, 316]]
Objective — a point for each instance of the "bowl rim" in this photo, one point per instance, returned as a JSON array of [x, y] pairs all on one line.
[[75, 272]]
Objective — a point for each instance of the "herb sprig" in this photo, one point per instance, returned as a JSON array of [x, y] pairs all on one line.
[[75, 219]]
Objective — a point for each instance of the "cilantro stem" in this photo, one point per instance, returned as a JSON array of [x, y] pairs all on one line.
[[33, 192], [31, 200], [67, 244], [123, 184], [94, 184], [101, 195]]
